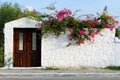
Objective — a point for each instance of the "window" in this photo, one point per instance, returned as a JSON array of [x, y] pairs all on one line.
[[33, 41], [21, 41]]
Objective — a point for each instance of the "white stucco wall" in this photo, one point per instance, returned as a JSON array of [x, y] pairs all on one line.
[[117, 51], [54, 53], [101, 53]]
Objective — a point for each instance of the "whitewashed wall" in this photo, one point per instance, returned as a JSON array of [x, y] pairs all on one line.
[[103, 52], [117, 51]]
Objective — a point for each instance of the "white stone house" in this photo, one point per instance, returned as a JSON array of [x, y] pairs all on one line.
[[24, 47]]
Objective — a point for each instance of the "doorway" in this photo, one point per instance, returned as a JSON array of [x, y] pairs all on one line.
[[27, 47]]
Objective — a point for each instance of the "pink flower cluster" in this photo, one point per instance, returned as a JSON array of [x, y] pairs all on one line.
[[79, 29], [38, 23], [108, 25], [93, 23], [80, 32], [90, 38], [63, 14]]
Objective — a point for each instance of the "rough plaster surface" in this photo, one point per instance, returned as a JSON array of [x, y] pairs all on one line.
[[54, 52], [117, 51], [101, 53]]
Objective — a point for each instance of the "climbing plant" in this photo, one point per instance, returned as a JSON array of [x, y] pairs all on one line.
[[80, 29]]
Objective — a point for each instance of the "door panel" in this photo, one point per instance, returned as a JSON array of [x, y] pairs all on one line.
[[27, 48], [19, 51]]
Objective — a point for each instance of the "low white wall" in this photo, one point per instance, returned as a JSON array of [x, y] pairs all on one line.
[[101, 53], [117, 51]]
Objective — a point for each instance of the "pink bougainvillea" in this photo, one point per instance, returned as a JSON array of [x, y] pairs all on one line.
[[93, 24], [88, 17], [92, 35], [96, 32], [63, 14], [70, 29], [111, 28], [81, 32], [38, 23], [81, 42], [80, 29], [70, 37]]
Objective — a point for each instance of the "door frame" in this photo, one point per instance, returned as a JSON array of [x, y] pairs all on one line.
[[31, 30]]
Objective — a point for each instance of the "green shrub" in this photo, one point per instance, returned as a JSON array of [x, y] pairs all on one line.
[[117, 33], [1, 57], [51, 68], [113, 67]]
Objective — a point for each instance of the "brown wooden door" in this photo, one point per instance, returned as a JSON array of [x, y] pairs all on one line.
[[27, 48]]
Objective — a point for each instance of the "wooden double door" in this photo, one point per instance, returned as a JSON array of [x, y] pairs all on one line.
[[27, 48]]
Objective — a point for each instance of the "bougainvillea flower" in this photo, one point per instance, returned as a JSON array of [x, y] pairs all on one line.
[[70, 29], [116, 24], [93, 24], [89, 38], [92, 35], [96, 20], [88, 16], [106, 25], [96, 33], [81, 31], [111, 17], [77, 34], [81, 42], [63, 14], [70, 37], [38, 24], [111, 28]]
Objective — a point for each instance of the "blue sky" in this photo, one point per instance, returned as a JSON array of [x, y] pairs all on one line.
[[86, 6]]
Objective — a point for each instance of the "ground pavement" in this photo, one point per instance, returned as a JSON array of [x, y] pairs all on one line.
[[60, 72]]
